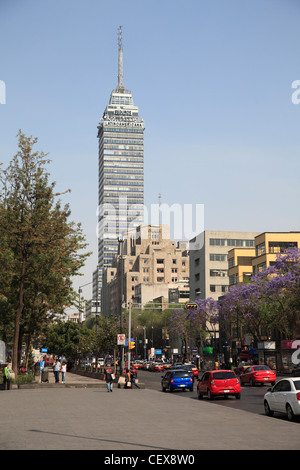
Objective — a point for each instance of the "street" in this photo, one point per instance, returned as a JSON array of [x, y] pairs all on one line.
[[251, 397], [146, 420]]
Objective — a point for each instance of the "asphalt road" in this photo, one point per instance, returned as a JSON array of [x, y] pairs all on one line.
[[251, 397]]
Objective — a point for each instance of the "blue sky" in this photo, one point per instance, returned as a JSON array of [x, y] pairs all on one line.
[[212, 79]]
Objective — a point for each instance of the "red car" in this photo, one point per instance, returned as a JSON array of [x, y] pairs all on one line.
[[258, 374], [219, 383], [156, 366]]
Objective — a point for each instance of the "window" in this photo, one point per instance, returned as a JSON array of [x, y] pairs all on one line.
[[217, 257], [218, 272], [282, 386], [160, 261]]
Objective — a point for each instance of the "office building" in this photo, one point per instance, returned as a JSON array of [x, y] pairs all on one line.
[[245, 262], [121, 172], [209, 261], [149, 266]]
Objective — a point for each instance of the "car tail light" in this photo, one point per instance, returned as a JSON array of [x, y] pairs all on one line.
[[191, 380], [298, 396], [172, 381], [212, 382], [237, 381]]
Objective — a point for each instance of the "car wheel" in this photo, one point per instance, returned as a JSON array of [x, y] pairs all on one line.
[[200, 396], [209, 394], [251, 383], [191, 389], [237, 396], [163, 389], [268, 410], [290, 413]]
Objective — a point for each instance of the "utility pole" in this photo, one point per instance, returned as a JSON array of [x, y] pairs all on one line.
[[129, 334]]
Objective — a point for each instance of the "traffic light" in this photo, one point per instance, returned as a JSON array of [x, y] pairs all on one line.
[[131, 344], [191, 306]]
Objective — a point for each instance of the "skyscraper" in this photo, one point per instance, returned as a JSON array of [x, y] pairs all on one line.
[[121, 171]]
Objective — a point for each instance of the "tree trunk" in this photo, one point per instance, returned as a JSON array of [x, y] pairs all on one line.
[[17, 321]]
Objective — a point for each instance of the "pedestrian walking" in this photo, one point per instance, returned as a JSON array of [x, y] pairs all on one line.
[[128, 379], [63, 370], [108, 377], [133, 376], [56, 370], [5, 378]]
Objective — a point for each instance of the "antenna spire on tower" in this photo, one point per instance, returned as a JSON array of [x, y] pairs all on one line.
[[120, 62]]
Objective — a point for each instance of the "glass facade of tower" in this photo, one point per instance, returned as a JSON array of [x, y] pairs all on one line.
[[121, 174]]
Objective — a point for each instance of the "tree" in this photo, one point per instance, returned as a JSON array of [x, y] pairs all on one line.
[[70, 340], [40, 249], [270, 301]]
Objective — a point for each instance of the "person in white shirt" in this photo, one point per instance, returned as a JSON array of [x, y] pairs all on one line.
[[63, 370], [56, 369]]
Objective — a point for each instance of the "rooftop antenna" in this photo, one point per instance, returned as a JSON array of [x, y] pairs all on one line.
[[120, 62], [159, 212]]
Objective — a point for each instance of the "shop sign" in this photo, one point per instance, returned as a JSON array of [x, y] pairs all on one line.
[[266, 345]]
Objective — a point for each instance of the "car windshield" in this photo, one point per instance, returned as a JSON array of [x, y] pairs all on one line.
[[297, 384], [180, 374], [222, 375], [261, 368]]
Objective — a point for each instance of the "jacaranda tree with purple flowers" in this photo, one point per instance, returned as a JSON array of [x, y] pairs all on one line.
[[188, 324], [271, 301]]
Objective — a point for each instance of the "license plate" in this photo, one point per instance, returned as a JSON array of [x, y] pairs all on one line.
[[181, 385], [226, 391], [266, 378]]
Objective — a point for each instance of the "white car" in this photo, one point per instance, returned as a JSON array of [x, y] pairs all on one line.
[[284, 397]]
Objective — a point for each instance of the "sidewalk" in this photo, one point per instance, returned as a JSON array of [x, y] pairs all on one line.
[[60, 418], [72, 381]]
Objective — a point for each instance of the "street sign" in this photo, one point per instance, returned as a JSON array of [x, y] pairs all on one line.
[[121, 340]]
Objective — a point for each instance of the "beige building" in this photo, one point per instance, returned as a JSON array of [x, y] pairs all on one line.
[[147, 266], [209, 275]]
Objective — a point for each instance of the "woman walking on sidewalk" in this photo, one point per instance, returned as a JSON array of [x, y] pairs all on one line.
[[63, 370]]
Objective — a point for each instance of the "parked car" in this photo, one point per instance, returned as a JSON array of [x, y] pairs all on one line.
[[284, 397], [178, 379], [258, 374], [219, 383]]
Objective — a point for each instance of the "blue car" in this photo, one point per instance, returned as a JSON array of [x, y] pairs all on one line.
[[177, 380]]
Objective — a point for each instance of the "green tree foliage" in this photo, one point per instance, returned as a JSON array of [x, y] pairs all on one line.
[[40, 250], [70, 340], [105, 330]]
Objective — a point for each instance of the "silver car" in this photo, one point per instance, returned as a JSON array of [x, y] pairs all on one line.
[[284, 398]]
